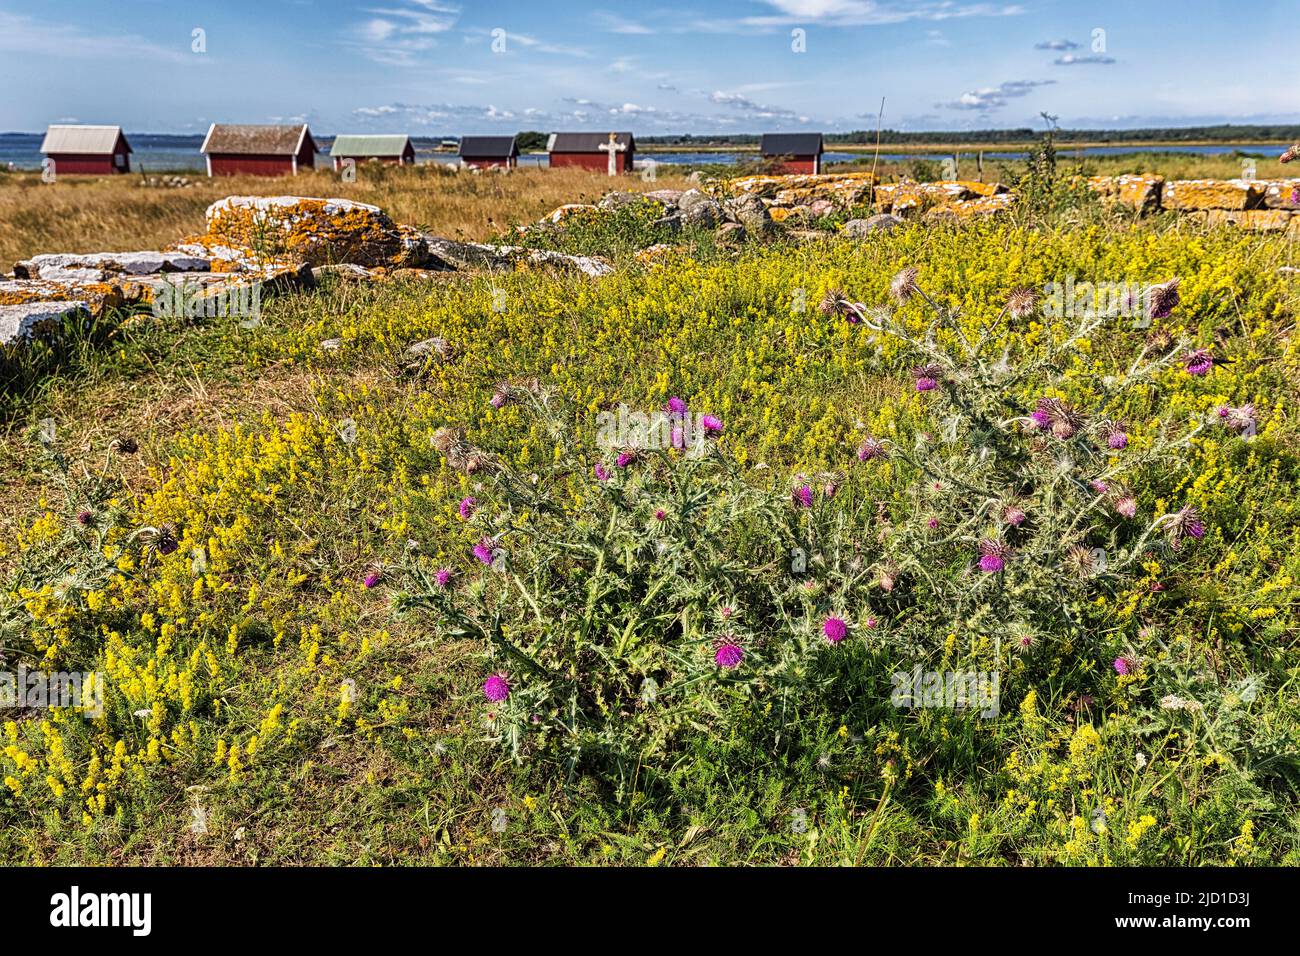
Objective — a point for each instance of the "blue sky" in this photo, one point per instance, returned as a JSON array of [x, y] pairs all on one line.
[[438, 67]]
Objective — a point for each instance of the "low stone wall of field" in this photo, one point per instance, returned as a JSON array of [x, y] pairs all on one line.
[[1269, 205]]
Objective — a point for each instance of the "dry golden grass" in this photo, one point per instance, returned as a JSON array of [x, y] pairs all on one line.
[[117, 213]]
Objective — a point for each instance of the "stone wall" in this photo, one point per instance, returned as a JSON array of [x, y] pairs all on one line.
[[1269, 205]]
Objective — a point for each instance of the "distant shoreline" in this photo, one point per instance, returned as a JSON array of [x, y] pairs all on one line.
[[1141, 146]]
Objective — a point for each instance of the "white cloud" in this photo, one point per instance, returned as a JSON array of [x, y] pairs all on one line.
[[991, 98], [22, 34], [1071, 60], [874, 13], [396, 35]]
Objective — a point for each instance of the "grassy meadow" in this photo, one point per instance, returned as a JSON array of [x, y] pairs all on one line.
[[241, 527]]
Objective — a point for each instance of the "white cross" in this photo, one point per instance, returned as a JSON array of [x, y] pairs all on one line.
[[613, 147]]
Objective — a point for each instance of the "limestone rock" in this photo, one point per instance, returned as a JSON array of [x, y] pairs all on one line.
[[730, 232], [751, 213], [621, 200], [1282, 194], [345, 271], [1140, 192], [1212, 194], [450, 254], [669, 197], [561, 213], [316, 231], [102, 266], [976, 208], [907, 199], [1254, 220], [881, 222], [841, 189], [23, 322], [435, 347], [98, 297], [705, 214]]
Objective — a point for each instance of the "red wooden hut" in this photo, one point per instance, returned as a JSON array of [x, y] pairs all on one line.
[[591, 151], [258, 150], [481, 152], [93, 150], [793, 152]]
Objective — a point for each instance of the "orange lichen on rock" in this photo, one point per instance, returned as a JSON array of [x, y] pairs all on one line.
[[277, 229], [1140, 192], [1212, 194]]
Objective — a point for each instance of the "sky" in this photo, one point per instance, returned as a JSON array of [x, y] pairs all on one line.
[[451, 67]]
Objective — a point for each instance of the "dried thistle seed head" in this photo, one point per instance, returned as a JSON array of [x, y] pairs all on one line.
[[1161, 299], [887, 575], [903, 286], [125, 445], [835, 302], [1161, 340], [1185, 523], [1021, 303], [1080, 561], [445, 437], [1062, 419]]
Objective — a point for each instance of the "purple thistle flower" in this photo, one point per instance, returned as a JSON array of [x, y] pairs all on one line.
[[803, 496], [1185, 523], [483, 551], [1013, 516], [1099, 486], [711, 425], [1123, 666], [1199, 362], [661, 515], [675, 406], [443, 577], [467, 505], [835, 629], [499, 399], [1239, 419], [678, 437], [496, 688], [1040, 418], [932, 524], [371, 579], [993, 556], [85, 518], [625, 458], [1117, 440], [927, 377], [871, 449], [729, 655], [601, 472], [1123, 500]]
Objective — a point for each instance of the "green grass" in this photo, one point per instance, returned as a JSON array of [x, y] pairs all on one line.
[[851, 780]]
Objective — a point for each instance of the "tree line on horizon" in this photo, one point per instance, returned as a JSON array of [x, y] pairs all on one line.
[[1224, 132]]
